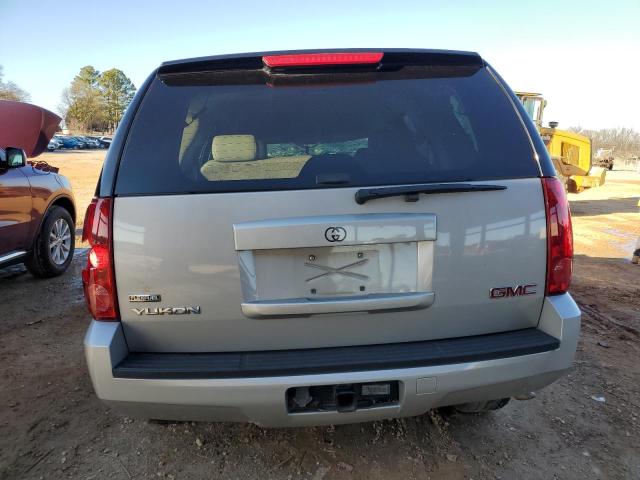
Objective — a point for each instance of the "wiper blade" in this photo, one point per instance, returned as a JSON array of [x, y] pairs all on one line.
[[412, 192]]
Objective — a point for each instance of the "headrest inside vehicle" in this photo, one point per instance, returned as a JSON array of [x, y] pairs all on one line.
[[233, 148]]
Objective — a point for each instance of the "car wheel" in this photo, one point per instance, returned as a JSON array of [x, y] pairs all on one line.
[[481, 407], [53, 247]]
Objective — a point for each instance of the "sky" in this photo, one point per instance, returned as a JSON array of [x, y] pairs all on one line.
[[584, 56]]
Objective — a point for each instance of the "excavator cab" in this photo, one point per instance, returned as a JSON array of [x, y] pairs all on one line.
[[570, 152], [534, 105]]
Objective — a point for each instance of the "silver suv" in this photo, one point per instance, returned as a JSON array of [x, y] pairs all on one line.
[[304, 238]]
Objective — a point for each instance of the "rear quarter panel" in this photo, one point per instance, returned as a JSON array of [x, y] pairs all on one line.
[[46, 188]]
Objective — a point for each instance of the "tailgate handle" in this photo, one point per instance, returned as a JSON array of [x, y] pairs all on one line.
[[361, 229], [305, 307]]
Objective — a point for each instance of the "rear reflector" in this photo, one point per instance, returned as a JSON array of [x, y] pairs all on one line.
[[320, 59], [559, 237], [97, 277]]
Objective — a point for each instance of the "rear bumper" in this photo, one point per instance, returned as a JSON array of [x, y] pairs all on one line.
[[261, 399]]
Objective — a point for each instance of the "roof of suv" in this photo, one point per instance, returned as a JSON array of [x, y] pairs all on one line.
[[328, 50], [254, 59]]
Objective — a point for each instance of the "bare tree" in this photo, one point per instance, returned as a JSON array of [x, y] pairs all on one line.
[[625, 141], [11, 91]]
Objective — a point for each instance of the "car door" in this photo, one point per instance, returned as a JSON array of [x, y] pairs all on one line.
[[15, 207]]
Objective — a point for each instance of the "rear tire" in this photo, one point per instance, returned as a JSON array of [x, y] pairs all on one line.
[[481, 407], [53, 247]]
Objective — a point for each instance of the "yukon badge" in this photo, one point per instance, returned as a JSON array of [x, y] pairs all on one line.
[[517, 291], [167, 310]]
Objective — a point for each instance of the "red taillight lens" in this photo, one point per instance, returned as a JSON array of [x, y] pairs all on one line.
[[319, 59], [98, 277], [559, 237]]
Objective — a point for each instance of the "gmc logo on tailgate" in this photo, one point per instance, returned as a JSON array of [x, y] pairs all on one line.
[[517, 291]]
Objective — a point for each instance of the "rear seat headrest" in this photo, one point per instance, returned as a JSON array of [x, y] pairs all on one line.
[[233, 148]]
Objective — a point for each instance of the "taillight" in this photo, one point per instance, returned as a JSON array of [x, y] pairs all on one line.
[[97, 277], [320, 59], [559, 237]]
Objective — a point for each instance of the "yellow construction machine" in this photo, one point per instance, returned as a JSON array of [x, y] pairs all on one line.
[[570, 152]]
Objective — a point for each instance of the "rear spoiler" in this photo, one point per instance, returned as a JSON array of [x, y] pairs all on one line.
[[26, 126], [389, 59]]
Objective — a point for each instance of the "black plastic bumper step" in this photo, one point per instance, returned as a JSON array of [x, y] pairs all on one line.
[[276, 363]]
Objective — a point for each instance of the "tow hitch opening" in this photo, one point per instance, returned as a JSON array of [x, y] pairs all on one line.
[[346, 400]]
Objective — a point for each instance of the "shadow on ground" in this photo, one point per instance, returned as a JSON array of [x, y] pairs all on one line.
[[604, 206]]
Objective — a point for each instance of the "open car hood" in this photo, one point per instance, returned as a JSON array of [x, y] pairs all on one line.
[[26, 126]]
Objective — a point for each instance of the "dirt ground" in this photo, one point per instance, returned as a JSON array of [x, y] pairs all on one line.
[[586, 425]]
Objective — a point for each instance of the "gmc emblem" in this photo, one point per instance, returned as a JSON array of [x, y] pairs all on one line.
[[517, 291]]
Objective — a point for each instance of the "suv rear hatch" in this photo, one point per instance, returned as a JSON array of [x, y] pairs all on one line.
[[298, 201]]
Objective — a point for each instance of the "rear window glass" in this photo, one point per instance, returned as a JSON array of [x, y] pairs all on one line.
[[199, 136]]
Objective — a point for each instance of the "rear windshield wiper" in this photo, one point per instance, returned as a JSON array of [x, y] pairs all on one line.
[[412, 192]]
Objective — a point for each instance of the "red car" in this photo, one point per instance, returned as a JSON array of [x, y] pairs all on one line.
[[37, 207]]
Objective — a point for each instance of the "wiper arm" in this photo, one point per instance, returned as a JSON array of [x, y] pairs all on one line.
[[412, 192]]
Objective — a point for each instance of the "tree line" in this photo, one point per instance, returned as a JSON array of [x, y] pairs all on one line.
[[625, 141], [96, 101]]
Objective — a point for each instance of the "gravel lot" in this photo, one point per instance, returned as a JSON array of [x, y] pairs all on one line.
[[586, 425]]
